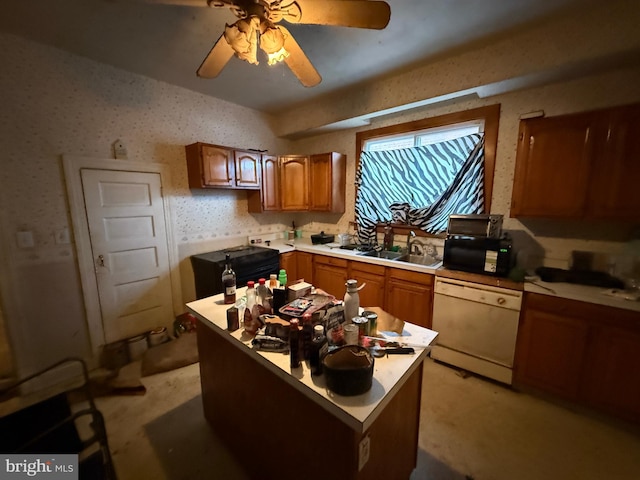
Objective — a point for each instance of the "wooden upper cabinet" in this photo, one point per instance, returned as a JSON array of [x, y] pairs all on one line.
[[327, 182], [552, 166], [248, 170], [294, 186], [215, 166], [270, 183], [616, 171], [585, 165], [210, 166]]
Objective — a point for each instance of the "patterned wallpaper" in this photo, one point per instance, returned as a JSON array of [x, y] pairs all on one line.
[[55, 103]]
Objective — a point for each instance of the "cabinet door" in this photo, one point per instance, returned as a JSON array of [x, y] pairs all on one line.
[[270, 183], [247, 169], [294, 177], [616, 167], [550, 352], [209, 166], [552, 166], [327, 182], [304, 264], [410, 296], [288, 262], [372, 295], [320, 183], [611, 374], [330, 275]]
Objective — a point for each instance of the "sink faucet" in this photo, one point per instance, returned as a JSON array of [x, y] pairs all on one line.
[[414, 242]]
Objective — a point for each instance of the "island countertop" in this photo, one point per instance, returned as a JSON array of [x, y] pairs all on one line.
[[358, 412]]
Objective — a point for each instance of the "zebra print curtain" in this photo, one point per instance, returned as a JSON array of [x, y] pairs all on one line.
[[420, 186]]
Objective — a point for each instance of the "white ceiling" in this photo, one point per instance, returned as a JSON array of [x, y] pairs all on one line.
[[169, 42]]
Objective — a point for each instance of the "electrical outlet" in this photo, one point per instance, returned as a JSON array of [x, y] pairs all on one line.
[[363, 452]]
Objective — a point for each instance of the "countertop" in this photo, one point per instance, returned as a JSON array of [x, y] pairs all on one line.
[[360, 411], [571, 291]]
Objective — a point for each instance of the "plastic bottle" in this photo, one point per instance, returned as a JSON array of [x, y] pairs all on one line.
[[229, 282], [250, 324], [352, 300], [273, 281], [264, 296], [319, 348], [282, 278], [294, 343]]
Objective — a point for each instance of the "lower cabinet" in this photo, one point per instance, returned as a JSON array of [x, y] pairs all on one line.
[[551, 351], [613, 365], [581, 352], [330, 274], [409, 296], [288, 263], [372, 295], [304, 266]]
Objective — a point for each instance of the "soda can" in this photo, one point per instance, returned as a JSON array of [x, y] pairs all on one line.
[[363, 327], [373, 322]]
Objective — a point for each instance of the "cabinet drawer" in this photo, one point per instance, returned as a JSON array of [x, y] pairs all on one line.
[[326, 260], [409, 276], [367, 268]]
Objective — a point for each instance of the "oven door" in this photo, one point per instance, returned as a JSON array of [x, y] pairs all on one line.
[[477, 327]]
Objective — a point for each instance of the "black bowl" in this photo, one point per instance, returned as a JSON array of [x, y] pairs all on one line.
[[348, 370]]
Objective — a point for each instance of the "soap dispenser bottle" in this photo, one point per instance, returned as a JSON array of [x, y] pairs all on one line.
[[387, 242]]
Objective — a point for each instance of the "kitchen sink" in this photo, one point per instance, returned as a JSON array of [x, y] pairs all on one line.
[[426, 260], [386, 254]]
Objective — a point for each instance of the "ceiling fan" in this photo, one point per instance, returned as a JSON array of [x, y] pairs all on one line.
[[257, 26]]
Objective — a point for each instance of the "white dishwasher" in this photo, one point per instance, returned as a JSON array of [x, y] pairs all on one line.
[[477, 327]]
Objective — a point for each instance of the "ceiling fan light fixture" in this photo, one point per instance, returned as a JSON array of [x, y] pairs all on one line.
[[272, 43], [277, 57]]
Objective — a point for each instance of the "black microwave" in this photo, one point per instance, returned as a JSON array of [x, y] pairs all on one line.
[[489, 256]]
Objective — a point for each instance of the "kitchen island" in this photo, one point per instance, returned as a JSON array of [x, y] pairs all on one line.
[[283, 423]]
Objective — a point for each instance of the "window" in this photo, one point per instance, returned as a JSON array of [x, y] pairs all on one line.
[[415, 174]]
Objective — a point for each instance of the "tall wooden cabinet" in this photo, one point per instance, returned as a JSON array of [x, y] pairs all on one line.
[[215, 166], [294, 185], [327, 182], [582, 352], [582, 165]]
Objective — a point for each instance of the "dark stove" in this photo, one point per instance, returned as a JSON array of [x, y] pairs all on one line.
[[249, 263]]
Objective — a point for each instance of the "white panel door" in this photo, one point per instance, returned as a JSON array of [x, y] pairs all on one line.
[[125, 214]]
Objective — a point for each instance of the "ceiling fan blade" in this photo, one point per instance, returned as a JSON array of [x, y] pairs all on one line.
[[345, 13], [218, 57], [298, 62]]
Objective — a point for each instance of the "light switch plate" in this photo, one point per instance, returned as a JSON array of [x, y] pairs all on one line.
[[25, 239]]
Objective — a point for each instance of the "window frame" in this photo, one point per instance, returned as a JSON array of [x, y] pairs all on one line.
[[489, 114]]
